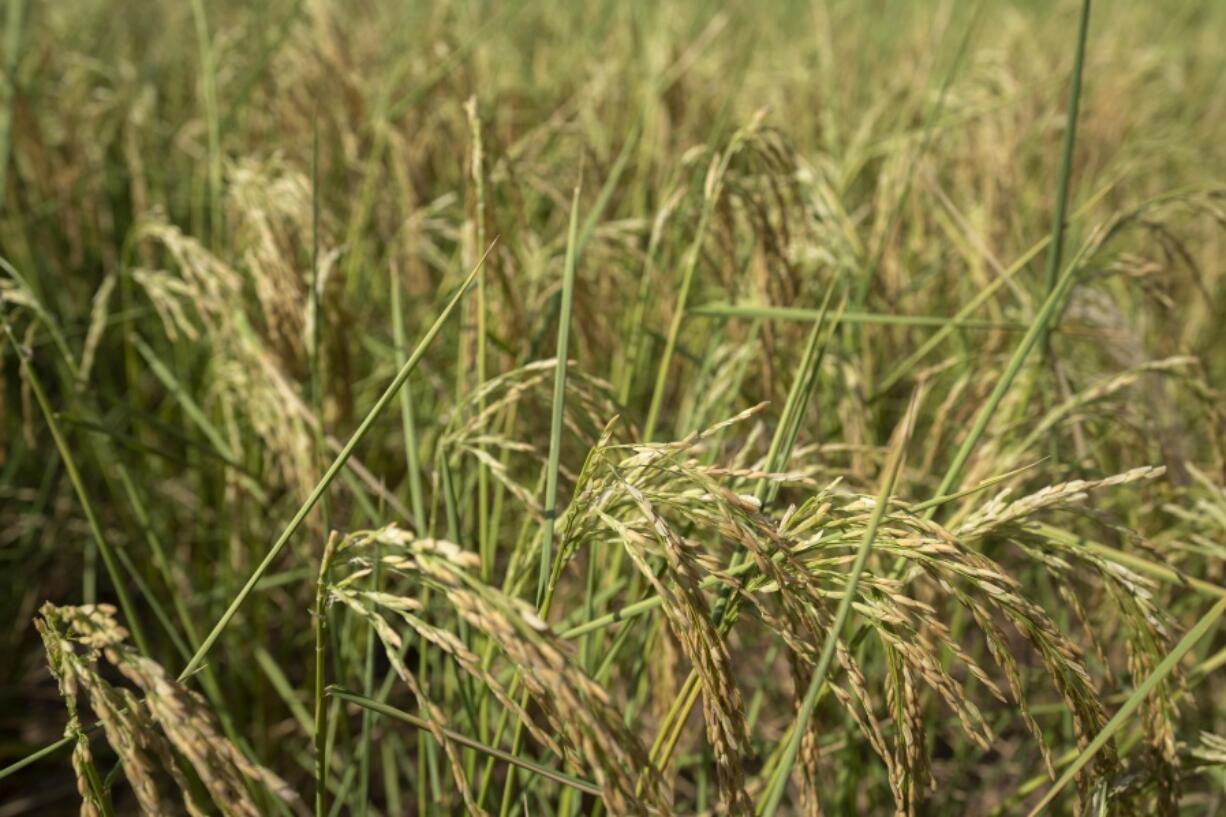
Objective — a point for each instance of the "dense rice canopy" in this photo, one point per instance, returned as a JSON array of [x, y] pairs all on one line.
[[755, 442]]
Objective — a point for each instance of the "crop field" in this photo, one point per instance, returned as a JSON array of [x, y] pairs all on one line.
[[553, 409]]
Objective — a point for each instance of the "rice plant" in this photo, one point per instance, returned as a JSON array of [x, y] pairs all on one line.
[[612, 409]]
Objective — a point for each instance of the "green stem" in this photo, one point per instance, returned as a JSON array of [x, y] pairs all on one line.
[[321, 655], [559, 404], [407, 420], [12, 51], [208, 79], [789, 313], [1056, 250]]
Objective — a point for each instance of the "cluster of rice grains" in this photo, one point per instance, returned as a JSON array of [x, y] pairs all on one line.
[[167, 740]]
